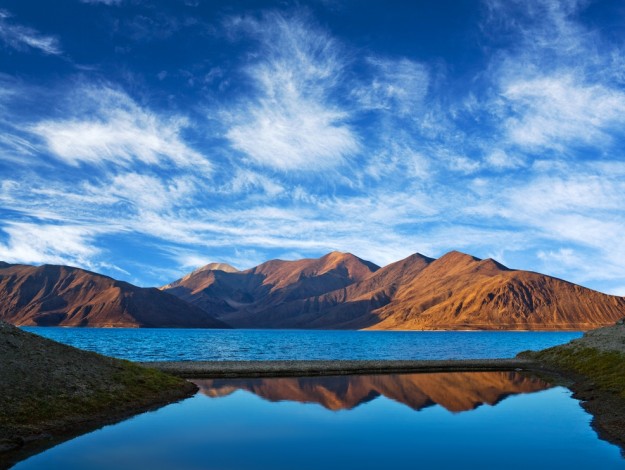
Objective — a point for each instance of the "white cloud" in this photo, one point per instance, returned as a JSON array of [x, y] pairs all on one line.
[[566, 257], [292, 123], [397, 85], [22, 37], [51, 244], [462, 164], [246, 180], [394, 158], [580, 191], [146, 192], [503, 160], [554, 111], [109, 127], [294, 134]]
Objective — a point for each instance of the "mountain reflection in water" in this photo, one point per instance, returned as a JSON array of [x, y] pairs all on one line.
[[459, 391]]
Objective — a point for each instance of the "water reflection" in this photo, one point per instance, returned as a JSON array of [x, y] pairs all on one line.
[[459, 391], [241, 431]]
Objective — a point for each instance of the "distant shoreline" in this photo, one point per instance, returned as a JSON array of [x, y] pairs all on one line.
[[474, 330], [240, 369]]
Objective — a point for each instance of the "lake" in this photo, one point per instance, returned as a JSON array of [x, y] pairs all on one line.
[[164, 344], [445, 420]]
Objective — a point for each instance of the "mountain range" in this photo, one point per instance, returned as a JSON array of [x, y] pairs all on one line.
[[337, 291], [342, 291]]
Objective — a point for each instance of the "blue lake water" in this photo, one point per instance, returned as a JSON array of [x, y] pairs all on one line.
[[147, 344], [453, 420]]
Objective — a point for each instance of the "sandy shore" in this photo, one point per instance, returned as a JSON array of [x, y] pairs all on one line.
[[233, 369]]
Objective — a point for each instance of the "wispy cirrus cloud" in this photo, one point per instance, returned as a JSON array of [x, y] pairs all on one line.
[[555, 85], [557, 111], [397, 85], [23, 38], [292, 122], [49, 243], [107, 126]]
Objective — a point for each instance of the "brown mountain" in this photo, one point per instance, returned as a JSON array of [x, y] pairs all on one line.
[[258, 296], [61, 295], [457, 391], [341, 291], [458, 291]]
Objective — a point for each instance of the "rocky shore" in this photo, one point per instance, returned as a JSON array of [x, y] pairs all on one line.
[[50, 392], [595, 366]]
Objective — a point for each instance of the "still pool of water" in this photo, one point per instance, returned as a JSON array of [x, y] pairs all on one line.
[[445, 420], [163, 344]]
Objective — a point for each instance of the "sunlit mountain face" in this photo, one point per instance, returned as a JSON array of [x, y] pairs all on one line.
[[145, 139], [456, 392], [340, 291]]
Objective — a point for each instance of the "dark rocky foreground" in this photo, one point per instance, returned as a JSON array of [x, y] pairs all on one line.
[[51, 392]]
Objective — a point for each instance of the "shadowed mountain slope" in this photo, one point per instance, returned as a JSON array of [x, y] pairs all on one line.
[[60, 295], [271, 293]]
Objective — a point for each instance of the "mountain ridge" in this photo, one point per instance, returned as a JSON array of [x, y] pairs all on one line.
[[55, 295], [455, 291]]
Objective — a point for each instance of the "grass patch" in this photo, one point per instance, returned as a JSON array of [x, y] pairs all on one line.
[[605, 369], [128, 385]]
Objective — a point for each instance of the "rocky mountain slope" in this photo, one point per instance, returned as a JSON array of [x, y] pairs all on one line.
[[459, 291], [61, 295], [341, 291], [272, 293]]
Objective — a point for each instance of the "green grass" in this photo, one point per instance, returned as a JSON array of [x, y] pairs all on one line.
[[605, 369]]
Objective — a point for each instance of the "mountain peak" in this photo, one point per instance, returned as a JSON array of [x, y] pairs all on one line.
[[201, 274], [217, 267], [420, 256], [456, 255], [457, 261], [336, 257]]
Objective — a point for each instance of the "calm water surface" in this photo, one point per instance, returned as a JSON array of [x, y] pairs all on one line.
[[454, 420], [147, 344]]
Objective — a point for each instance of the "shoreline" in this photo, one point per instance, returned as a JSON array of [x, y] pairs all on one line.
[[244, 369], [408, 330]]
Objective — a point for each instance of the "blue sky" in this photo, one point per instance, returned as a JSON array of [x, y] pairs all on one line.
[[143, 139]]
